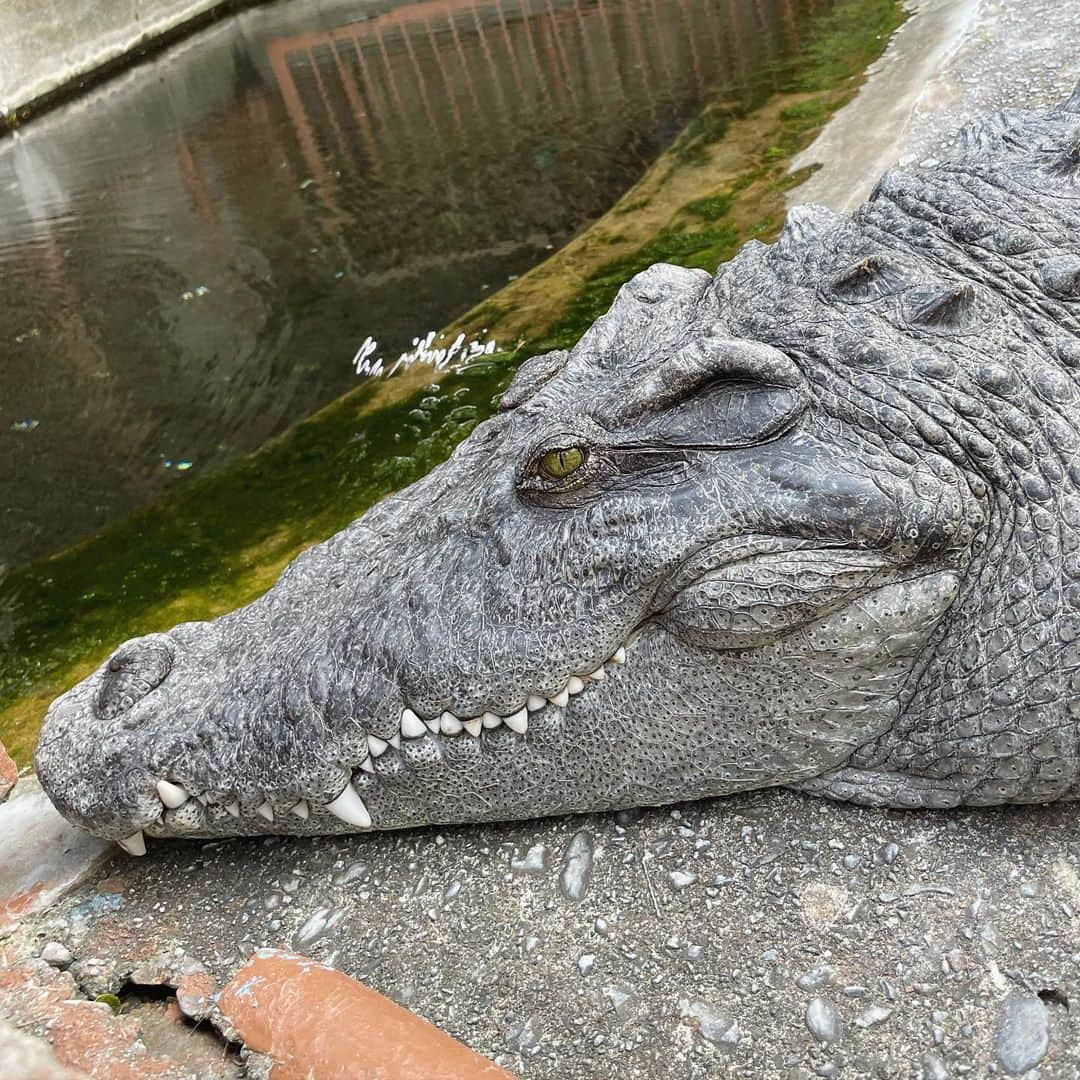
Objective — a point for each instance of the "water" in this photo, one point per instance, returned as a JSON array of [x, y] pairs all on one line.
[[191, 256]]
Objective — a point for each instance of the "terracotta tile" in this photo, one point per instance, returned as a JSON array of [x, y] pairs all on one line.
[[315, 1021]]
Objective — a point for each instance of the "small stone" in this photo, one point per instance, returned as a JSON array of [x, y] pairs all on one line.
[[815, 979], [681, 879], [889, 854], [586, 962], [822, 1021], [577, 866], [532, 862], [713, 1026], [851, 861], [876, 1014], [933, 1068], [1024, 1035], [59, 956]]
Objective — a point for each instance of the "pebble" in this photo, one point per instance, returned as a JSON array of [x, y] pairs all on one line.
[[822, 1021], [532, 862], [714, 1026], [577, 866], [586, 962], [1024, 1035], [933, 1068], [816, 978], [876, 1014], [681, 879], [59, 956]]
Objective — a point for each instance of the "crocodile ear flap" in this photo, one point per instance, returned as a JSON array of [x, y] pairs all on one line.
[[717, 393]]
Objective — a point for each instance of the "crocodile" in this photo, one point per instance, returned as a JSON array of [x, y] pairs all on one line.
[[811, 521]]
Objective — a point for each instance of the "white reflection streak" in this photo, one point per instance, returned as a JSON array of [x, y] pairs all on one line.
[[456, 356]]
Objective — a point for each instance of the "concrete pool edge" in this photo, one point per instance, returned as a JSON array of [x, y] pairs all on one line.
[[66, 70]]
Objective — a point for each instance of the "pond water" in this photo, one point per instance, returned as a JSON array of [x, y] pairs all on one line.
[[191, 255]]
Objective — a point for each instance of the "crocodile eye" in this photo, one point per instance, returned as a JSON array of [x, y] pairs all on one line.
[[559, 464]]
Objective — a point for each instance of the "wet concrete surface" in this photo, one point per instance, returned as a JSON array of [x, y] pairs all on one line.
[[954, 61], [771, 934]]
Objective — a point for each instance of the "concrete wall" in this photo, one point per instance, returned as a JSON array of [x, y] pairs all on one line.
[[46, 45]]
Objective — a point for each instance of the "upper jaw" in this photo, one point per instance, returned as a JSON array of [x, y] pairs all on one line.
[[181, 802]]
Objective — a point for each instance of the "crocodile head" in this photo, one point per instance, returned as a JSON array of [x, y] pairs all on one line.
[[672, 565]]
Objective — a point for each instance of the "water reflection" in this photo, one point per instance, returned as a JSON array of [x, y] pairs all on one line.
[[190, 257]]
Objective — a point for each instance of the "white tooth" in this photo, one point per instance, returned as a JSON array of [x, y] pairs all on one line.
[[172, 795], [301, 810], [350, 808], [395, 740], [473, 726], [432, 725], [412, 727], [519, 722], [135, 844], [367, 766], [575, 685], [203, 799], [376, 745], [599, 675], [233, 808], [561, 698], [265, 810], [535, 702], [449, 724], [490, 720], [619, 656]]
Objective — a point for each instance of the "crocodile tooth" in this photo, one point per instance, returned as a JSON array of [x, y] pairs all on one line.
[[376, 745], [473, 726], [535, 702], [301, 810], [598, 675], [233, 808], [450, 724], [561, 698], [203, 799], [575, 685], [619, 656], [172, 795], [265, 810], [490, 720], [412, 727], [135, 844], [519, 722], [432, 725], [395, 740], [367, 766], [350, 808]]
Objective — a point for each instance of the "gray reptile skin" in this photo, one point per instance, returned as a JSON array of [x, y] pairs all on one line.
[[828, 503]]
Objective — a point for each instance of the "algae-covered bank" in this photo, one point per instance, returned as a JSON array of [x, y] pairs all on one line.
[[225, 539]]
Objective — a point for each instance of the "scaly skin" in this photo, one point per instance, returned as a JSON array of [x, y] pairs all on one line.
[[815, 522]]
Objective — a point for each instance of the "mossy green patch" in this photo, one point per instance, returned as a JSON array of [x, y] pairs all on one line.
[[224, 541]]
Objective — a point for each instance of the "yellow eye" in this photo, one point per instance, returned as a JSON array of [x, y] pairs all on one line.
[[559, 464]]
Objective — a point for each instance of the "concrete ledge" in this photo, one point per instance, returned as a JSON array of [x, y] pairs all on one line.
[[55, 49]]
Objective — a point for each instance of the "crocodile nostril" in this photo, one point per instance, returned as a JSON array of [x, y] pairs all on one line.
[[133, 671]]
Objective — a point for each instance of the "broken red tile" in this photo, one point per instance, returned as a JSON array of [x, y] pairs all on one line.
[[23, 1057], [84, 1035], [9, 773], [314, 1021], [194, 993]]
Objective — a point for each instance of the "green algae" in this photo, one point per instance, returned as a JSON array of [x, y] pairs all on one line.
[[225, 540]]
